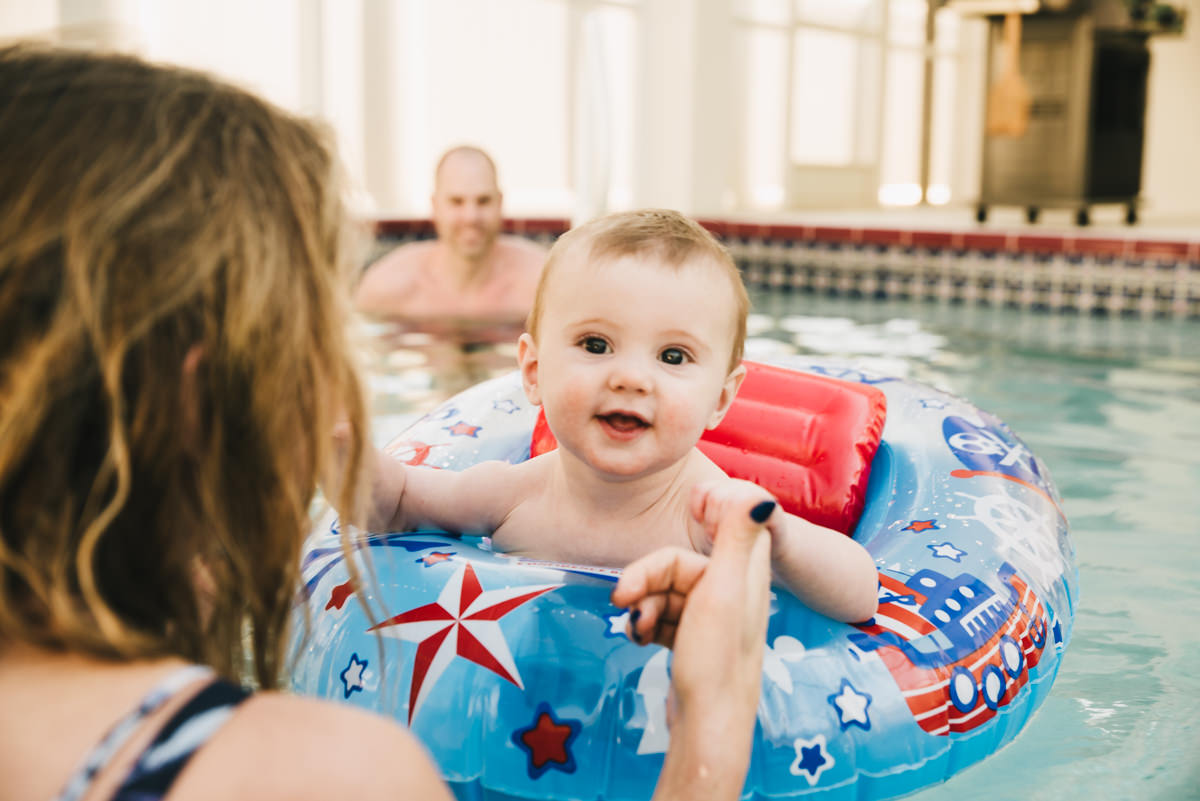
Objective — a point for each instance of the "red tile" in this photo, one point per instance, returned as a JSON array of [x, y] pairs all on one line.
[[718, 228], [539, 225], [398, 228], [787, 233], [1040, 244], [831, 234], [884, 237], [1151, 248], [985, 241], [931, 240], [1095, 246]]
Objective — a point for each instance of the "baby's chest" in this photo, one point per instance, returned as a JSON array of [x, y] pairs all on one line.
[[539, 533]]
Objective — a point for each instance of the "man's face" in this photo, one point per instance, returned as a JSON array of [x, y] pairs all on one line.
[[466, 206]]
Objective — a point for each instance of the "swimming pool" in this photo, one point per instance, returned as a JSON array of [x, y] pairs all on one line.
[[1113, 407]]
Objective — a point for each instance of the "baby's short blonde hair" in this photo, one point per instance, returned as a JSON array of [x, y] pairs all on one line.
[[662, 233]]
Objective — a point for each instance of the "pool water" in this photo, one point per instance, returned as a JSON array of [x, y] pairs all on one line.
[[1112, 405]]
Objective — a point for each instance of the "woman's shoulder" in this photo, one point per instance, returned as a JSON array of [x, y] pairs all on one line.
[[283, 746]]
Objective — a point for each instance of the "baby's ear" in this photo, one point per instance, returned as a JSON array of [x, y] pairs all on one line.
[[728, 392], [528, 360]]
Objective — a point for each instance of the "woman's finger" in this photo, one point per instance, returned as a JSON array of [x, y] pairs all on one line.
[[660, 571]]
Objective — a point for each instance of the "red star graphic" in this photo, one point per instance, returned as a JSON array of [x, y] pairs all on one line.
[[339, 594], [416, 452], [464, 621], [921, 525], [547, 741], [463, 430], [434, 558]]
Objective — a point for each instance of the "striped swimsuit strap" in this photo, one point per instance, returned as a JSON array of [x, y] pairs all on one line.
[[181, 736]]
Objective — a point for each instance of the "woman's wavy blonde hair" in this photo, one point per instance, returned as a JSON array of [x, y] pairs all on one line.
[[174, 271]]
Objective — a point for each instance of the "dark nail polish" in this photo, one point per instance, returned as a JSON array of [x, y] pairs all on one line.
[[762, 511], [635, 616]]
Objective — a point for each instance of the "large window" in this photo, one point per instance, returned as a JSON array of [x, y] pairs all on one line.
[[845, 81], [711, 106]]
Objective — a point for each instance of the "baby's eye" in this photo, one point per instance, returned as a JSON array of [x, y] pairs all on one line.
[[594, 345], [673, 356]]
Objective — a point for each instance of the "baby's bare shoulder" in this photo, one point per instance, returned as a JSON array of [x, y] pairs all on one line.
[[701, 468]]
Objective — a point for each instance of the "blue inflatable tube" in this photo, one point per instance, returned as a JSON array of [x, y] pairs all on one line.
[[518, 676]]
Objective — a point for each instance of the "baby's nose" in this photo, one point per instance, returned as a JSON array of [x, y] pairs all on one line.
[[629, 375]]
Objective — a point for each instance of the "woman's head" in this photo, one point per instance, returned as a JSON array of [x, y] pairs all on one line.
[[173, 278]]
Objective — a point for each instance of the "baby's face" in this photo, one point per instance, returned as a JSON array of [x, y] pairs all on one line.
[[633, 360]]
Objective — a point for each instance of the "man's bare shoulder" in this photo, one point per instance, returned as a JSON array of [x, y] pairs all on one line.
[[405, 258], [279, 746], [387, 284], [521, 251]]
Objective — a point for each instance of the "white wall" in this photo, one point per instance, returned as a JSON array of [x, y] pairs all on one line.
[[1171, 168], [586, 105]]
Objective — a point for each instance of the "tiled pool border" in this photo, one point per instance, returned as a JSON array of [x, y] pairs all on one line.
[[1070, 273]]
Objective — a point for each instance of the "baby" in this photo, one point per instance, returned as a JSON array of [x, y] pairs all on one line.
[[634, 348]]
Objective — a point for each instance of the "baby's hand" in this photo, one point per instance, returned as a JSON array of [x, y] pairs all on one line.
[[712, 499]]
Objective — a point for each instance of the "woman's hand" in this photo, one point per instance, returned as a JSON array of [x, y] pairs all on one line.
[[713, 612], [711, 499]]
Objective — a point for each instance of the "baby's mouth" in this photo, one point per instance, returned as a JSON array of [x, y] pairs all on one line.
[[623, 422]]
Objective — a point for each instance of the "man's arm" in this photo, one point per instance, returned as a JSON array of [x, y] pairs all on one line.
[[386, 285]]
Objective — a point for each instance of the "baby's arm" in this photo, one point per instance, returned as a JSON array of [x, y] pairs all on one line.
[[475, 500], [828, 571]]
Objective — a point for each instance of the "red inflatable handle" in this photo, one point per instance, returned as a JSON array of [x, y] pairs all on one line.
[[807, 439]]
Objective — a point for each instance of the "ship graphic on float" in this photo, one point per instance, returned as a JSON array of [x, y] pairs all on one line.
[[958, 650]]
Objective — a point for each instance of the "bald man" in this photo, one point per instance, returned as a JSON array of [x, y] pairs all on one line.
[[470, 270]]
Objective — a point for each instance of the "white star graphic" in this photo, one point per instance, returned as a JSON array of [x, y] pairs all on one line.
[[464, 621], [616, 624], [946, 550], [352, 676], [654, 685], [851, 706], [508, 406], [785, 649]]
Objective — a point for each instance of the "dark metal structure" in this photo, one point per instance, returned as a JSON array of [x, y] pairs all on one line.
[[1086, 67]]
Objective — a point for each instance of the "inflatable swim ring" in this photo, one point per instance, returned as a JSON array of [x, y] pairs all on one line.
[[519, 678]]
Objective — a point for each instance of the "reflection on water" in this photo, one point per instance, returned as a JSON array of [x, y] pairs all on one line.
[[414, 366], [1111, 405]]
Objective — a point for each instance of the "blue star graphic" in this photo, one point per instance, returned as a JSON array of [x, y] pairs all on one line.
[[851, 706], [444, 413], [352, 676], [405, 541], [946, 550], [812, 759], [508, 406]]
